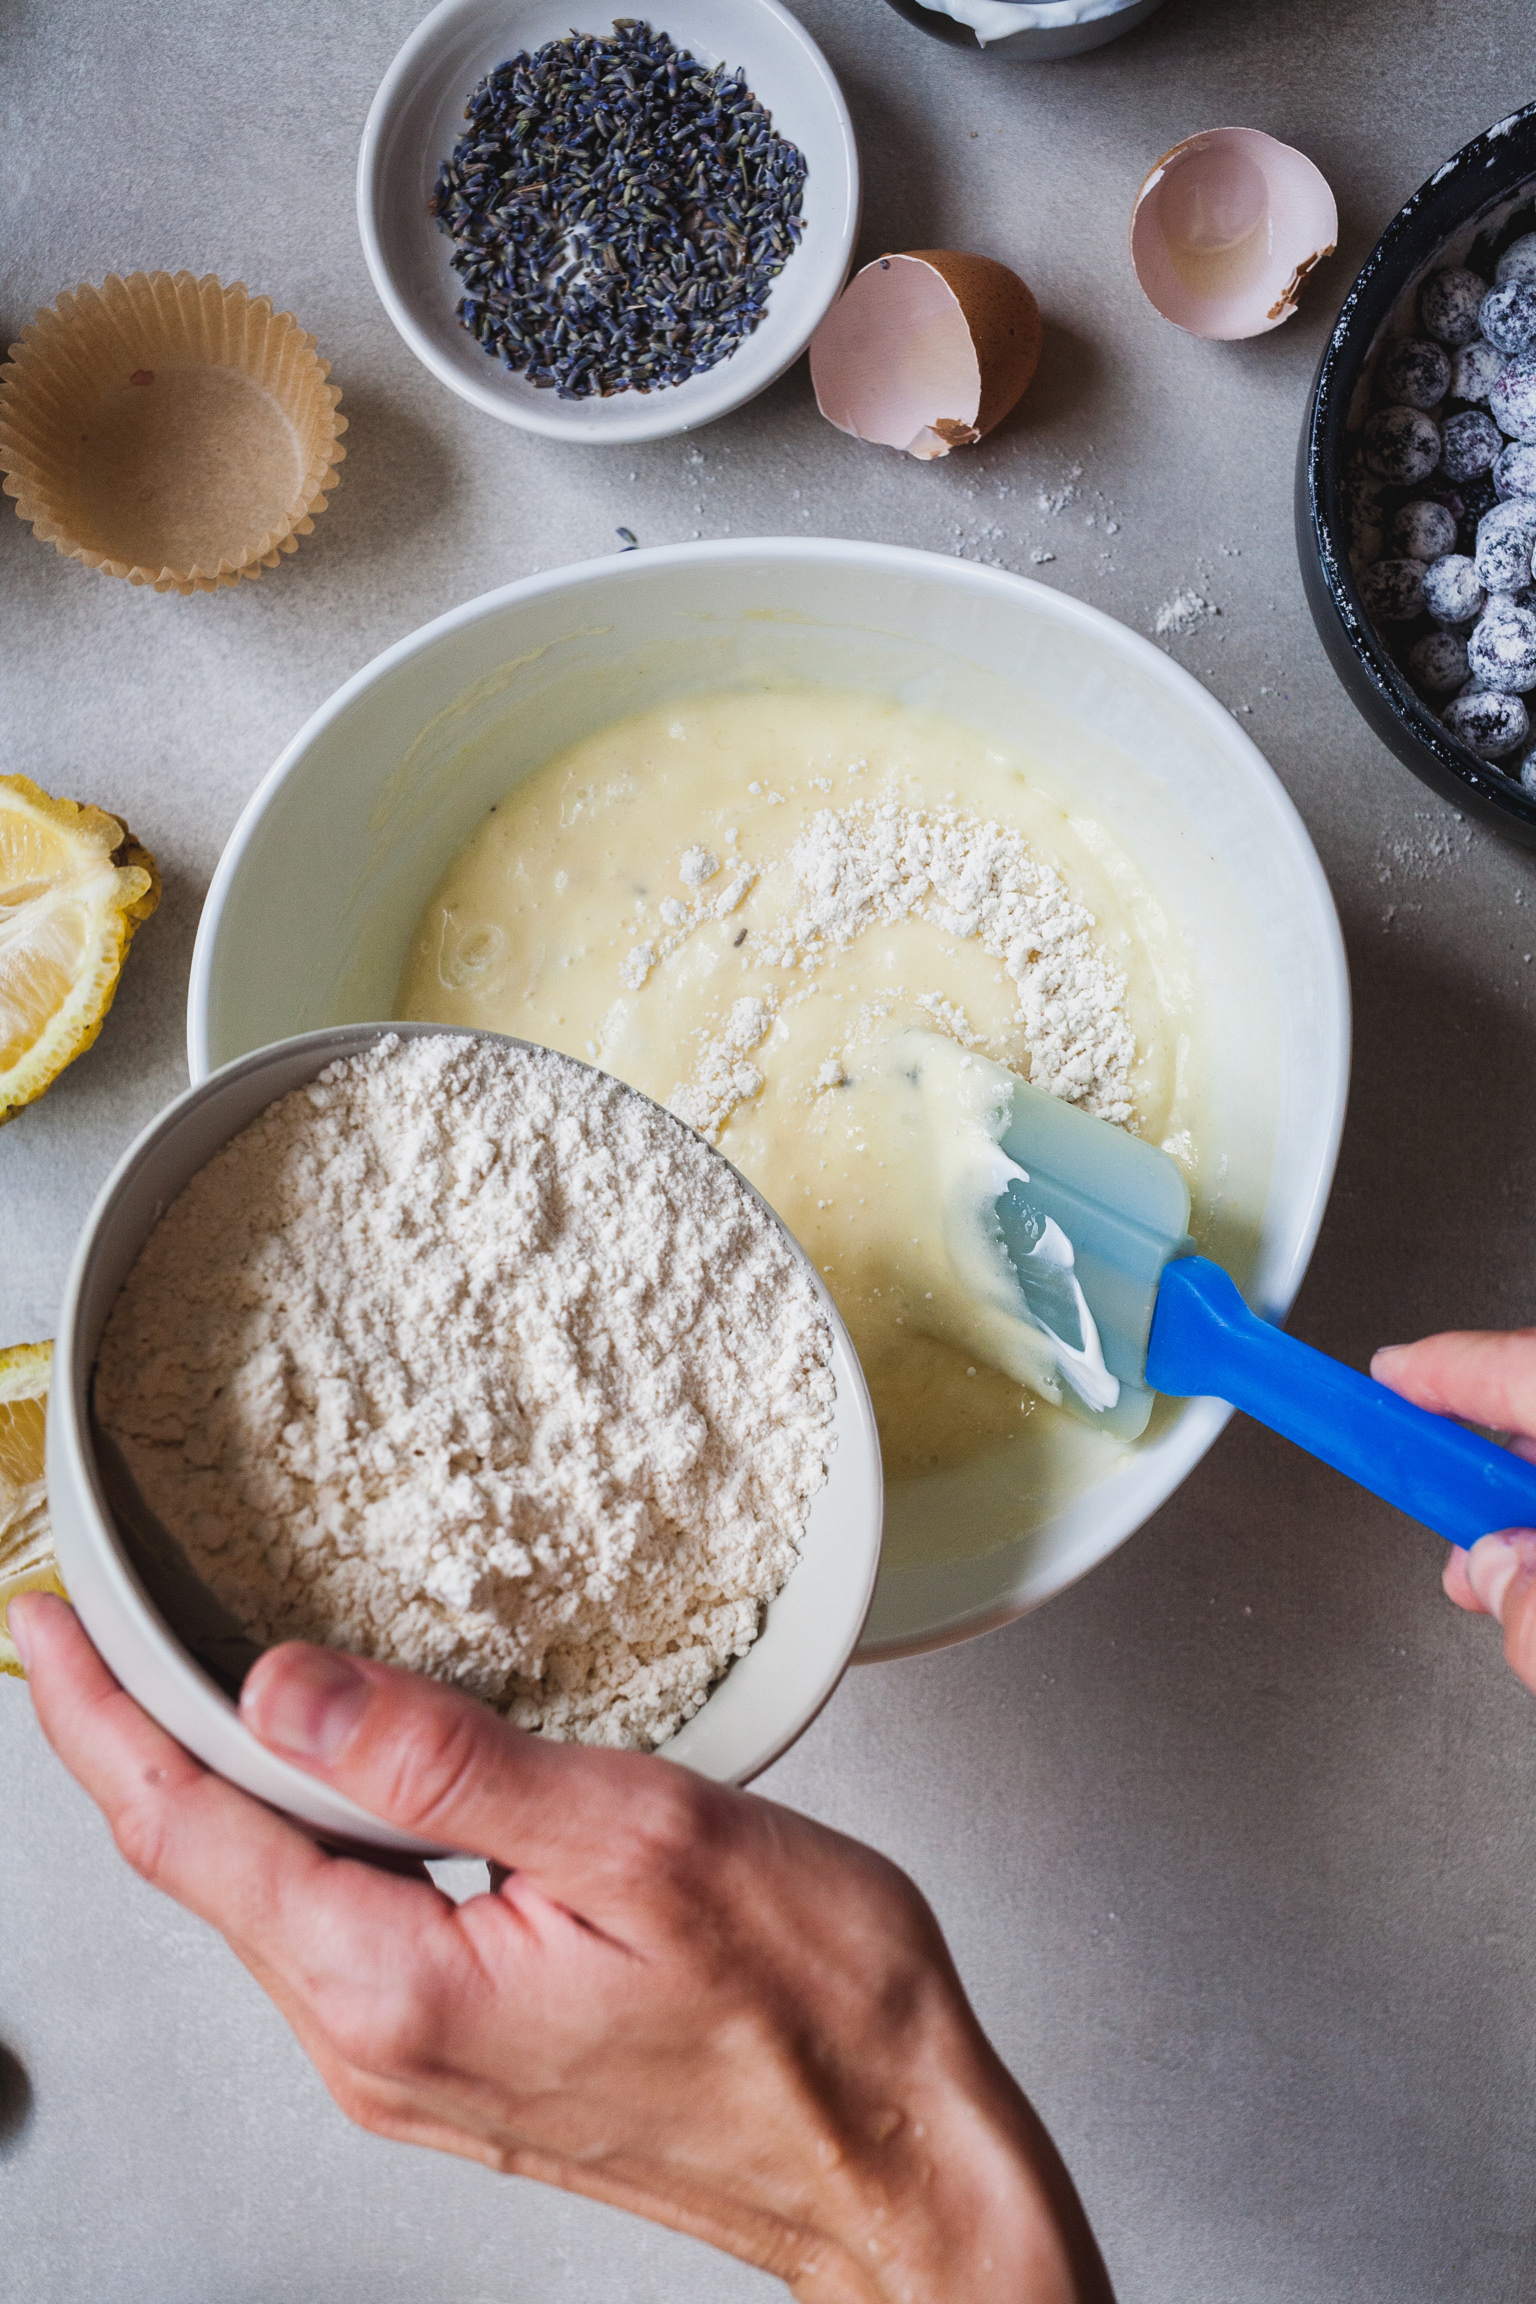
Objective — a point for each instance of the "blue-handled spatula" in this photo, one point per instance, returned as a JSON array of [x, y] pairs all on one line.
[[1160, 1318]]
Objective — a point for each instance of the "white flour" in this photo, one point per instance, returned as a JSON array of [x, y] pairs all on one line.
[[467, 1358], [1183, 613], [875, 863]]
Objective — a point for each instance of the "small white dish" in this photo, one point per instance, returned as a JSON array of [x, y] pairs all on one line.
[[767, 1698], [325, 875], [417, 117]]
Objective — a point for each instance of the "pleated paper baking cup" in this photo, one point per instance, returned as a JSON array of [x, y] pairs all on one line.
[[174, 431]]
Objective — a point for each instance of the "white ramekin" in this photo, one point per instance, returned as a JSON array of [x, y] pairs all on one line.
[[417, 116], [765, 1701]]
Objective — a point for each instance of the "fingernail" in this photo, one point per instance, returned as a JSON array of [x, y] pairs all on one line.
[[1495, 1561], [1383, 1354], [17, 1628], [308, 1702]]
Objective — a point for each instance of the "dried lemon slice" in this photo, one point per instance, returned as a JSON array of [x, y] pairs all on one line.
[[26, 1541], [74, 885]]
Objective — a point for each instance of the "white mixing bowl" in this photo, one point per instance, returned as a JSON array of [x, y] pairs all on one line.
[[320, 886], [144, 1620]]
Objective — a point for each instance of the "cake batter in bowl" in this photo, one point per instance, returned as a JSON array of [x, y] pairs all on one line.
[[837, 678]]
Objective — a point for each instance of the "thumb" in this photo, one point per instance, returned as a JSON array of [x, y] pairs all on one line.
[[437, 1763], [1501, 1571]]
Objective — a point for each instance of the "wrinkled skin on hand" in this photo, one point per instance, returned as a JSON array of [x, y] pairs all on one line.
[[1485, 1377], [680, 1999]]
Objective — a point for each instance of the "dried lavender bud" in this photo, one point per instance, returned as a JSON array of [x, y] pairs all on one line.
[[1468, 444], [1402, 445], [1414, 373], [1449, 304], [1508, 316], [1438, 662], [1473, 369], [1512, 398], [1424, 530], [618, 210], [1488, 722]]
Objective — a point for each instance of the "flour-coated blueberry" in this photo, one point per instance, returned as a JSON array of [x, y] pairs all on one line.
[[1402, 445], [1514, 469], [1488, 722], [1438, 662], [1451, 590], [1469, 442], [1518, 261], [1504, 540], [1394, 590], [1449, 303], [1512, 397], [1424, 530], [1501, 653], [1508, 316], [1414, 372], [1473, 369]]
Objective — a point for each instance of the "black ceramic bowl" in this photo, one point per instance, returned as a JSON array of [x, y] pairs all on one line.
[[1466, 214], [1038, 46]]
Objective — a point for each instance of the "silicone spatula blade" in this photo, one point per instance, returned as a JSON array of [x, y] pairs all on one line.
[[1172, 1322]]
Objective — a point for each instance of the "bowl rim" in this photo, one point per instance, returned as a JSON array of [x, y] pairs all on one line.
[[74, 1468], [1279, 1269], [654, 415], [1478, 177]]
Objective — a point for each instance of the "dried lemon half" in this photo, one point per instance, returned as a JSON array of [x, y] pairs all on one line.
[[26, 1541], [74, 885]]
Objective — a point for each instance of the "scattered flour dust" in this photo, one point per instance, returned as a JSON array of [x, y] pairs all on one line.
[[875, 863], [1184, 613], [473, 1360]]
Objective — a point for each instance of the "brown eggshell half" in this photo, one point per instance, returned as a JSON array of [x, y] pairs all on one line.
[[926, 351]]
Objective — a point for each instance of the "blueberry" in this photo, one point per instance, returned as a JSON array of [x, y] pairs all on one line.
[[1504, 540], [1512, 398], [1452, 593], [1473, 369], [1449, 304], [1518, 261], [1488, 722], [1502, 651], [1402, 445], [1424, 530], [1514, 474], [1438, 662], [1508, 316], [1528, 771], [1468, 444], [1414, 372], [1394, 590]]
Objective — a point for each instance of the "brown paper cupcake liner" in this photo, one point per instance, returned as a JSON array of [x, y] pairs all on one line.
[[171, 430]]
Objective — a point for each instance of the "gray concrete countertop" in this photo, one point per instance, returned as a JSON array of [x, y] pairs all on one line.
[[1234, 1843]]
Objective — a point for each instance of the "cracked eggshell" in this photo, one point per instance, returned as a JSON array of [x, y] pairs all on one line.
[[1226, 229], [926, 351]]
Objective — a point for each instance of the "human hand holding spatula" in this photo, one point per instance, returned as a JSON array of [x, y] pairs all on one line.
[[1078, 1235]]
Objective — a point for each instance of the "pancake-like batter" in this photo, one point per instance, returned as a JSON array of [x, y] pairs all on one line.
[[729, 900]]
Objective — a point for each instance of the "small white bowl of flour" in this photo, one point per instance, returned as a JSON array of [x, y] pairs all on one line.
[[450, 1351]]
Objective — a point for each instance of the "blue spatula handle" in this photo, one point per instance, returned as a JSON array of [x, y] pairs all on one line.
[[1206, 1342]]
